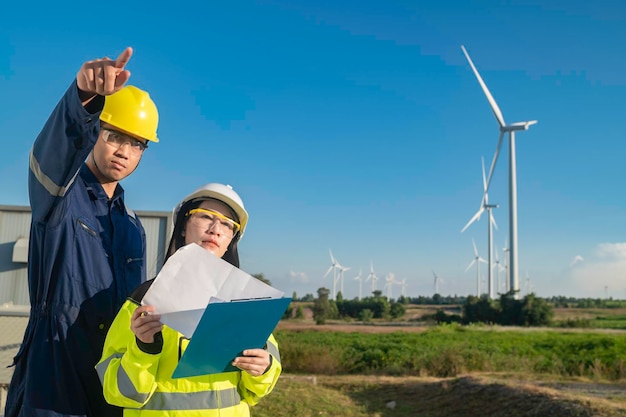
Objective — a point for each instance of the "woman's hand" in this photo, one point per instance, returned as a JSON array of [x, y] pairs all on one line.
[[145, 324], [253, 361]]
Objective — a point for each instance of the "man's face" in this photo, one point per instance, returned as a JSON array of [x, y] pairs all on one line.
[[115, 154]]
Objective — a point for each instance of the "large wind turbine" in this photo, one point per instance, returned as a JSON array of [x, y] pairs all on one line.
[[510, 129], [491, 222]]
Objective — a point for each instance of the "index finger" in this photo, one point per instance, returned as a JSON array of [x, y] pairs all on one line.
[[124, 57]]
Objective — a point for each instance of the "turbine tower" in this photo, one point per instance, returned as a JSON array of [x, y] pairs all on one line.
[[510, 129], [505, 251], [436, 282], [491, 222], [499, 268], [360, 279], [372, 276], [477, 260], [334, 266], [342, 269], [389, 281]]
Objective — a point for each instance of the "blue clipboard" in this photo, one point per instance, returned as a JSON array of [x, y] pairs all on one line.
[[225, 330]]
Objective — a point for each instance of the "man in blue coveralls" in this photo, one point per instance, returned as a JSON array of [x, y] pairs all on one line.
[[87, 249]]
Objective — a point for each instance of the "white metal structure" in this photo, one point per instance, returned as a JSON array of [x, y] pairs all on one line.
[[360, 279], [491, 222], [477, 260], [342, 269], [505, 251], [389, 281], [510, 129], [436, 282], [372, 276], [404, 285], [334, 266]]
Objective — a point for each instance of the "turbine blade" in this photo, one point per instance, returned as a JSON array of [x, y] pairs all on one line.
[[492, 102], [494, 160], [473, 219], [493, 220], [327, 272], [482, 160], [470, 265], [475, 250]]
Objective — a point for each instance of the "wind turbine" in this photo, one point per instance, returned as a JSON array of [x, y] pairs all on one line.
[[404, 285], [436, 283], [334, 266], [505, 251], [529, 286], [510, 129], [499, 268], [389, 281], [360, 279], [342, 269], [477, 260], [484, 205], [372, 276]]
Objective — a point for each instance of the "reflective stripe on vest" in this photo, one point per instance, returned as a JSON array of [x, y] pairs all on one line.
[[201, 400]]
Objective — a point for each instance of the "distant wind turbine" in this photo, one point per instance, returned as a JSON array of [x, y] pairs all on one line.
[[510, 129], [436, 282], [477, 260], [342, 269], [499, 268], [360, 279], [491, 222], [372, 276], [505, 251], [334, 267], [529, 286], [389, 281]]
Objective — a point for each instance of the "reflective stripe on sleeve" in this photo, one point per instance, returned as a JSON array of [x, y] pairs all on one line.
[[124, 385], [45, 181], [273, 350]]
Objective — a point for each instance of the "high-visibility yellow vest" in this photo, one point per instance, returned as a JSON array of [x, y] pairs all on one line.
[[140, 382]]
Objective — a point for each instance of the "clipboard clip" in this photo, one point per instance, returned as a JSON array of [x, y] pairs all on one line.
[[250, 299]]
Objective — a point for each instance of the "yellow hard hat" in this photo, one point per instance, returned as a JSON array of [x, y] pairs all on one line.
[[132, 111]]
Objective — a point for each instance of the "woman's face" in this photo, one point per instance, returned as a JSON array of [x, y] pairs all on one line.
[[209, 230]]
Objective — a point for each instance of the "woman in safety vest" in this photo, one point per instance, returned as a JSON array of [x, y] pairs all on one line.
[[140, 353]]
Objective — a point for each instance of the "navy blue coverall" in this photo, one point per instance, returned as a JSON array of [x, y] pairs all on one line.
[[86, 255]]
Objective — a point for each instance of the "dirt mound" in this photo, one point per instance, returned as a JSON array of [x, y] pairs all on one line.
[[471, 396]]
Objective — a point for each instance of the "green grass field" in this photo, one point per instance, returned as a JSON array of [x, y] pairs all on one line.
[[455, 370]]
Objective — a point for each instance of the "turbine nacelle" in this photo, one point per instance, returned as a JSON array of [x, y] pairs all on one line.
[[517, 126]]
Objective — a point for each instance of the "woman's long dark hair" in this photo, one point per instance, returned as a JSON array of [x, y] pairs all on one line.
[[178, 240]]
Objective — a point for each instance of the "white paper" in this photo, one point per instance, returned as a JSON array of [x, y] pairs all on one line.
[[188, 280]]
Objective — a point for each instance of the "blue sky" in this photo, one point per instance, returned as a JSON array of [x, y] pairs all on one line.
[[359, 127]]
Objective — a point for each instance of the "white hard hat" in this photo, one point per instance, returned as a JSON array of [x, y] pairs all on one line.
[[220, 192]]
